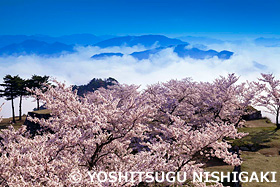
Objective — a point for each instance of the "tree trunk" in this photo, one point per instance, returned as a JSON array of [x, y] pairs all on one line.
[[277, 116], [20, 102], [13, 110], [237, 169], [38, 104]]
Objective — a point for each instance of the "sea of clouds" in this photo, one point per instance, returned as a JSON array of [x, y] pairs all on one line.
[[248, 61]]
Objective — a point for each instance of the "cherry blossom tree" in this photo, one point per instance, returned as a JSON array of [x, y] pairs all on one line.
[[269, 96], [173, 126], [87, 134], [198, 103]]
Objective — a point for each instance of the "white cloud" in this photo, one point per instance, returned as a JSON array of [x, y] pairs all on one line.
[[79, 69]]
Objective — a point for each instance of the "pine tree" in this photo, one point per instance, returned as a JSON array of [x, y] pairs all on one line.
[[21, 89], [37, 81], [10, 92]]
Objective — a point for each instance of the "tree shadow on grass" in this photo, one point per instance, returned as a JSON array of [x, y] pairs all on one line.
[[257, 140]]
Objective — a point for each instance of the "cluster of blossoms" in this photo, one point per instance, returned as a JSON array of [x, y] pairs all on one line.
[[174, 126], [269, 96]]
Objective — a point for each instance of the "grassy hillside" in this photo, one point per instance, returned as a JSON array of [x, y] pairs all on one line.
[[264, 142], [8, 121], [261, 149]]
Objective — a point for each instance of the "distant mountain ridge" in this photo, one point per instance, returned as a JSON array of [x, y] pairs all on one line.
[[146, 54], [196, 53], [201, 40], [105, 55], [74, 39], [181, 50], [268, 42], [55, 46], [29, 47], [145, 40]]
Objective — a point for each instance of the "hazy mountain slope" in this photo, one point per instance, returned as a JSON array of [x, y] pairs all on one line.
[[105, 55], [29, 47], [74, 39], [200, 40], [183, 51], [146, 54], [145, 40], [268, 42]]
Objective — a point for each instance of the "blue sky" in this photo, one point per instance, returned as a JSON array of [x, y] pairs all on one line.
[[122, 17]]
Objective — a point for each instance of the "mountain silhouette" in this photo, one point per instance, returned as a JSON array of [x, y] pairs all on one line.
[[12, 39], [73, 39], [182, 51], [79, 39], [268, 42], [50, 46], [200, 40], [146, 54], [145, 40], [29, 47], [105, 55]]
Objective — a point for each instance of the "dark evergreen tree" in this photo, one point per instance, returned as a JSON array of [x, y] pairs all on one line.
[[37, 81], [21, 89], [10, 91]]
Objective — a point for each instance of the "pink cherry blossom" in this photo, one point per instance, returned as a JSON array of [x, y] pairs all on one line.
[[173, 126]]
